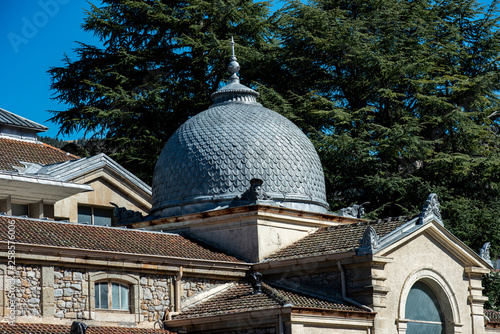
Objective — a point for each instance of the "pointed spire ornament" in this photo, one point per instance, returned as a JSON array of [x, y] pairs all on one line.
[[233, 66], [234, 91]]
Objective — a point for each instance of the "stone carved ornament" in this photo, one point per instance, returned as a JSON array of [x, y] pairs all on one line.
[[355, 211], [255, 192], [369, 242], [124, 216], [256, 281], [431, 208], [484, 253]]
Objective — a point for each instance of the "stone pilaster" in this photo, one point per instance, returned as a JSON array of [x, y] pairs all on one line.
[[476, 298], [48, 291]]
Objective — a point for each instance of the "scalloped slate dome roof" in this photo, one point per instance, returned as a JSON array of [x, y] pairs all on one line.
[[210, 160]]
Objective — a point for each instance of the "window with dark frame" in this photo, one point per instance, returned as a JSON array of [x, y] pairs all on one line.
[[95, 215]]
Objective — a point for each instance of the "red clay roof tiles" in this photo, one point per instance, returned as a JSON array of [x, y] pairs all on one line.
[[58, 234], [493, 316], [6, 328], [336, 239], [13, 151], [241, 298]]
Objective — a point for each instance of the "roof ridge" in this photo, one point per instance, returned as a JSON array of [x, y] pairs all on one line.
[[369, 222], [58, 149]]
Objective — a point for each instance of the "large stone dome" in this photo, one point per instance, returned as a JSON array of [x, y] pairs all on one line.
[[209, 161]]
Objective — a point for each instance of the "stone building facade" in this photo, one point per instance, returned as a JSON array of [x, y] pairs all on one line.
[[238, 240]]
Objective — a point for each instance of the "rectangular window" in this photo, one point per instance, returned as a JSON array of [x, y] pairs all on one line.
[[101, 295], [20, 209], [112, 296], [95, 216]]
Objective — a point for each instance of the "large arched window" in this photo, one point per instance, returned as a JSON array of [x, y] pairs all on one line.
[[423, 311]]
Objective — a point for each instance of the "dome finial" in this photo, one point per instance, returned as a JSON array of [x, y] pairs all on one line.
[[233, 67]]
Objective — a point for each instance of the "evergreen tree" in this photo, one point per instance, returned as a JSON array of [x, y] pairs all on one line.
[[160, 62], [400, 100], [398, 96]]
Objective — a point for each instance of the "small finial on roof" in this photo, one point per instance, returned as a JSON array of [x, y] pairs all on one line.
[[233, 67]]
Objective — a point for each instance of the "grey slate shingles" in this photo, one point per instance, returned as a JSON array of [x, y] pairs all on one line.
[[8, 118]]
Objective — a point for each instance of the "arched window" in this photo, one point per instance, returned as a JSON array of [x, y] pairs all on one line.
[[111, 296], [423, 311]]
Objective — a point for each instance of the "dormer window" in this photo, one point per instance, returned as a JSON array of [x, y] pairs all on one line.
[[95, 215]]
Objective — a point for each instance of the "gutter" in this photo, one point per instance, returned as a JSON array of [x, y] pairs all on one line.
[[177, 291], [344, 290], [306, 260]]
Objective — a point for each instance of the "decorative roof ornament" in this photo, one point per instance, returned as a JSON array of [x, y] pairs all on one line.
[[256, 281], [355, 211], [253, 195], [484, 253], [369, 242], [233, 66], [234, 91], [124, 216], [431, 210]]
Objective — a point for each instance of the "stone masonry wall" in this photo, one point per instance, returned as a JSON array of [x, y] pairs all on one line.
[[192, 286], [71, 293], [156, 293], [155, 296], [27, 289]]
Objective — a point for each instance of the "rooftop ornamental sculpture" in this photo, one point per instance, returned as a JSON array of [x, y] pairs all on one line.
[[431, 210], [355, 211], [369, 242], [256, 281], [484, 253]]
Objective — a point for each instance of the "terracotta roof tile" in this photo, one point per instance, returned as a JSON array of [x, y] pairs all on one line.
[[493, 316], [336, 239], [13, 151], [241, 298], [58, 234], [6, 328]]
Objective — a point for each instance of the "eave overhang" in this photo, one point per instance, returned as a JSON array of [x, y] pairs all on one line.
[[36, 188], [258, 210], [270, 314], [79, 255]]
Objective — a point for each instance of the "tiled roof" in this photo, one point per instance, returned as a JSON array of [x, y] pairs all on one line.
[[493, 316], [241, 298], [336, 239], [13, 151], [5, 328], [99, 238], [6, 117]]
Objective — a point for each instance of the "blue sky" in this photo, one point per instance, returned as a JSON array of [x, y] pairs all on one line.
[[34, 36]]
